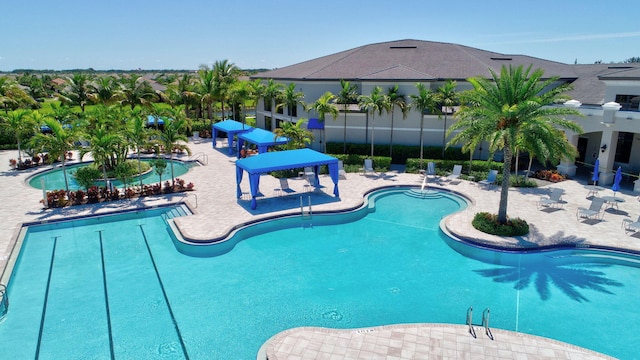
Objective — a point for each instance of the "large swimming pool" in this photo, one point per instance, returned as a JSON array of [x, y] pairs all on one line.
[[117, 287]]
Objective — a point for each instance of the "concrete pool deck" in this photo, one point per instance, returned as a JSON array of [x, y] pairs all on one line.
[[218, 211]]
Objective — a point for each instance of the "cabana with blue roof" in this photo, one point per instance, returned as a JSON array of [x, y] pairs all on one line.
[[282, 160], [261, 138], [151, 121], [232, 128]]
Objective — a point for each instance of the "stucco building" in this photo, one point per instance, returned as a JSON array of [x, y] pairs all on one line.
[[608, 96]]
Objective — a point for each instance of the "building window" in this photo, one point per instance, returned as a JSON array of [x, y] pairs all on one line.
[[279, 108], [292, 111], [628, 102], [267, 104], [623, 150]]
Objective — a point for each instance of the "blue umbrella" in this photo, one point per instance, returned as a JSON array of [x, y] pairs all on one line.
[[616, 181], [595, 171]]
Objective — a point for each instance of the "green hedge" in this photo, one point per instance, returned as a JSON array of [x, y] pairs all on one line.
[[400, 152], [488, 223]]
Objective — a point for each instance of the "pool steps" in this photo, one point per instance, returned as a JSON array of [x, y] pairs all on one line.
[[484, 323]]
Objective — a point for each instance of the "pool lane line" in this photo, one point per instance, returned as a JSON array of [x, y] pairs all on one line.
[[106, 296], [164, 294], [46, 299]]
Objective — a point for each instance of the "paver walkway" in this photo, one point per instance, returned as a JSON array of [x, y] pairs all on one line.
[[218, 211]]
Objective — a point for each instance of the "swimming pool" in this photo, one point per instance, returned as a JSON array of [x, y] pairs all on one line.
[[54, 179], [126, 291]]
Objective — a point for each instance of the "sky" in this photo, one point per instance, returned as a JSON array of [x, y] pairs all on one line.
[[185, 34]]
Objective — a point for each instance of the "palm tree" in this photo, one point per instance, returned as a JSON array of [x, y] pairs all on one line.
[[79, 90], [291, 99], [103, 145], [105, 91], [272, 93], [515, 104], [396, 99], [22, 123], [206, 89], [138, 136], [256, 88], [225, 74], [424, 101], [348, 95], [172, 137], [58, 143], [241, 92], [376, 102], [447, 97], [137, 91], [299, 137], [323, 106]]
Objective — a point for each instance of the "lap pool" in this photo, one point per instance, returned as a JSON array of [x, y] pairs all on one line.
[[116, 286]]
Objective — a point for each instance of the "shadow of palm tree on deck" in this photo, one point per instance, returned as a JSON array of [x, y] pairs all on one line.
[[568, 279]]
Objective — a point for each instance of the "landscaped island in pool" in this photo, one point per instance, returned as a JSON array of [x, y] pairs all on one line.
[[117, 286]]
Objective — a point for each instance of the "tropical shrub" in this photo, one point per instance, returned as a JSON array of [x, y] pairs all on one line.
[[488, 223]]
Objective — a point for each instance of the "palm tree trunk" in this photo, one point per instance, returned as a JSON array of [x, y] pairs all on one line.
[[139, 168], [391, 136], [173, 184], [504, 191], [344, 137], [444, 131], [373, 131], [421, 139]]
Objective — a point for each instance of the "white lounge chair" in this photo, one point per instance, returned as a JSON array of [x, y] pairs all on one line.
[[553, 199], [593, 212], [491, 178], [341, 173], [630, 225], [284, 187], [368, 166], [457, 171]]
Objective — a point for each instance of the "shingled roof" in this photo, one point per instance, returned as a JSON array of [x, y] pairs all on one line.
[[411, 60]]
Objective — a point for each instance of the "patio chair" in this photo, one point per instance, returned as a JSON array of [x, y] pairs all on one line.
[[284, 187], [368, 166], [630, 225], [457, 171], [491, 178], [552, 200], [593, 212], [312, 183], [341, 173]]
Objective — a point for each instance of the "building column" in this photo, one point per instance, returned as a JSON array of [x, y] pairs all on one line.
[[608, 145], [568, 166]]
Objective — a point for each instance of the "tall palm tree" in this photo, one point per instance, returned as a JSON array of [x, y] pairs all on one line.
[[348, 95], [206, 89], [103, 145], [518, 103], [447, 97], [424, 101], [291, 99], [396, 99], [376, 102], [138, 135], [299, 137], [22, 124], [256, 88], [241, 92], [225, 74], [172, 137], [272, 93], [323, 106], [58, 143]]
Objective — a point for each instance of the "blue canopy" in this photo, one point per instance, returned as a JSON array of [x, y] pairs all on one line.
[[315, 124], [616, 181], [262, 138], [231, 127], [596, 170], [151, 120], [282, 160]]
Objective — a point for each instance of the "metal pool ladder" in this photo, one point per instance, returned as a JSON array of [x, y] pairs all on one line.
[[4, 301], [485, 322], [306, 213]]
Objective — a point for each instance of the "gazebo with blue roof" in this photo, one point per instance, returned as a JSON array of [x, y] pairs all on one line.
[[232, 128], [261, 138], [282, 160]]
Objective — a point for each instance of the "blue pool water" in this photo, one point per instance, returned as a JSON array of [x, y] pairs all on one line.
[[123, 289], [54, 179]]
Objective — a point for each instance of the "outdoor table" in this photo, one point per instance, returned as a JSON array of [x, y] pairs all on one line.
[[612, 201], [593, 189]]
